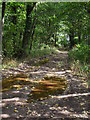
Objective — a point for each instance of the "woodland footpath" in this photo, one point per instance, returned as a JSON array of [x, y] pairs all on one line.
[[45, 60]]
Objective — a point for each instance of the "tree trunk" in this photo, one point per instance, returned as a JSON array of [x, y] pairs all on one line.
[[79, 37], [79, 30], [71, 38], [32, 34], [2, 19], [14, 21], [49, 22], [55, 37], [26, 35], [87, 8], [1, 28], [3, 11], [32, 30]]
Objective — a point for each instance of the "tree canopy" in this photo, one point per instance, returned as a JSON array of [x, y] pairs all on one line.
[[29, 24]]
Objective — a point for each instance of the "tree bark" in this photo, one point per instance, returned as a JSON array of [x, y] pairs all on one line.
[[2, 25], [79, 30], [2, 19], [49, 22], [3, 11], [26, 35], [14, 21], [79, 37], [71, 38], [32, 34]]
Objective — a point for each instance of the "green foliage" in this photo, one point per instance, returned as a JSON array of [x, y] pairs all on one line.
[[13, 29], [80, 59], [26, 31], [80, 52], [7, 63], [41, 50]]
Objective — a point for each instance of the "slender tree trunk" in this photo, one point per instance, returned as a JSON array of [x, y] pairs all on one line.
[[87, 8], [79, 30], [88, 31], [55, 40], [49, 22], [32, 30], [32, 34], [3, 11], [26, 35], [2, 19], [14, 21], [1, 28], [79, 37], [71, 38]]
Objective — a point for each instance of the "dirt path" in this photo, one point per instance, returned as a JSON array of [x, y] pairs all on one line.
[[72, 104]]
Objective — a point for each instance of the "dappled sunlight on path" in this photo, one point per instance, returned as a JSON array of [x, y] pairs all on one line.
[[72, 103]]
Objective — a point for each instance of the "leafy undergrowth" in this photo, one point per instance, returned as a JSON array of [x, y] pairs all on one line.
[[8, 63], [35, 53], [79, 60], [43, 50]]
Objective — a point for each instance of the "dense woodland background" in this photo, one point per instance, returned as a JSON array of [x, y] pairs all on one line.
[[34, 29]]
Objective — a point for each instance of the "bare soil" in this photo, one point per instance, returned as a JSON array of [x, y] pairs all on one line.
[[72, 104]]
